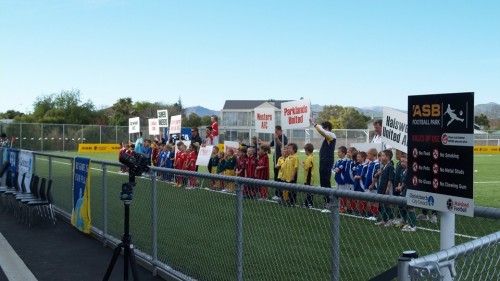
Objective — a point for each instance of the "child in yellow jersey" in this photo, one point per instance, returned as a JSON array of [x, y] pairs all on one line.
[[291, 171], [282, 194], [308, 166]]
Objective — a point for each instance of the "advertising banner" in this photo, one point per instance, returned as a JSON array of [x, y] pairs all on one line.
[[80, 215], [395, 129], [98, 147], [295, 114], [162, 118], [26, 168], [441, 152], [12, 157], [134, 125], [265, 120]]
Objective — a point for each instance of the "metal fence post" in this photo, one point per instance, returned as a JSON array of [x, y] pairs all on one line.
[[104, 203], [334, 204], [404, 265], [50, 167], [239, 232], [447, 240], [154, 229]]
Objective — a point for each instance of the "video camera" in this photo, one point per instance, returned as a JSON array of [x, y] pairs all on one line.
[[137, 164]]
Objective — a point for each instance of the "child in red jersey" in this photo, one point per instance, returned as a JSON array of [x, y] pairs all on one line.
[[263, 170]]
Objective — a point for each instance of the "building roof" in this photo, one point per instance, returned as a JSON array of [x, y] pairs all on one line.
[[250, 104]]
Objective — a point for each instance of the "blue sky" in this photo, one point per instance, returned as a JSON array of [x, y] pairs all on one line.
[[349, 53]]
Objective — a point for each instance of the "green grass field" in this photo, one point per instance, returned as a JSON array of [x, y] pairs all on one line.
[[196, 228], [486, 176]]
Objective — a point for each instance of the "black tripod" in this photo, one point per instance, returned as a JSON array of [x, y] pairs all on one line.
[[126, 244]]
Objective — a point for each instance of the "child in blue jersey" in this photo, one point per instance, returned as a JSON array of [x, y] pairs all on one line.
[[339, 170], [359, 176], [370, 181], [349, 172], [162, 163], [169, 160]]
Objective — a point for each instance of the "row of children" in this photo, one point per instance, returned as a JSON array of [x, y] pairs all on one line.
[[253, 164], [374, 172]]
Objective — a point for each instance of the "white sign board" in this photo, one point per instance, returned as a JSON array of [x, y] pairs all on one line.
[[234, 145], [265, 120], [295, 114], [363, 146], [154, 128], [162, 118], [395, 129], [175, 124], [134, 125], [204, 155]]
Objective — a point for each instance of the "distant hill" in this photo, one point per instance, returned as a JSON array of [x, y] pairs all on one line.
[[492, 110], [201, 111]]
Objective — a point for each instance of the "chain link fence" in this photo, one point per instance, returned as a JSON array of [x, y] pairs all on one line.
[[64, 137], [199, 226], [61, 137]]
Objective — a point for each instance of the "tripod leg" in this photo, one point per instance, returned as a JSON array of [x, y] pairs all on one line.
[[116, 253], [133, 263], [126, 258]]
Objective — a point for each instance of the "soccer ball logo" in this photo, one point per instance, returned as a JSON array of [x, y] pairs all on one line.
[[449, 204]]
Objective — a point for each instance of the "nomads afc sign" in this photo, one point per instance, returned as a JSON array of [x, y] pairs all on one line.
[[440, 152]]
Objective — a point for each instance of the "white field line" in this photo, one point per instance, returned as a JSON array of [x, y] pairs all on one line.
[[314, 209]]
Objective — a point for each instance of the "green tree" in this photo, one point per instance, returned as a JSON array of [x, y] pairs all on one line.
[[482, 120], [329, 112], [122, 111], [343, 117], [63, 108], [10, 114], [193, 120], [350, 118]]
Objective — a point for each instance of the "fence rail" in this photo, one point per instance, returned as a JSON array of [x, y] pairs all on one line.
[[203, 233]]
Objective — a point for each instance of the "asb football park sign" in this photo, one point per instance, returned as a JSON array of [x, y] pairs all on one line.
[[440, 152]]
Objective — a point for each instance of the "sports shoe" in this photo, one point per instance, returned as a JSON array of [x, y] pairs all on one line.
[[433, 219], [422, 217], [388, 224], [275, 198], [325, 211], [372, 218], [380, 223], [262, 199], [409, 229], [399, 224]]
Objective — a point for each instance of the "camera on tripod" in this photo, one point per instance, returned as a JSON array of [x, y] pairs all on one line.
[[137, 165]]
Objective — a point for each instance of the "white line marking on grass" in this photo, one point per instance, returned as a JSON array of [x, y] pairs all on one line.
[[486, 182]]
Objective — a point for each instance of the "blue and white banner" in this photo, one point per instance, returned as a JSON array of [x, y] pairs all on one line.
[[25, 167], [80, 217], [12, 157]]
